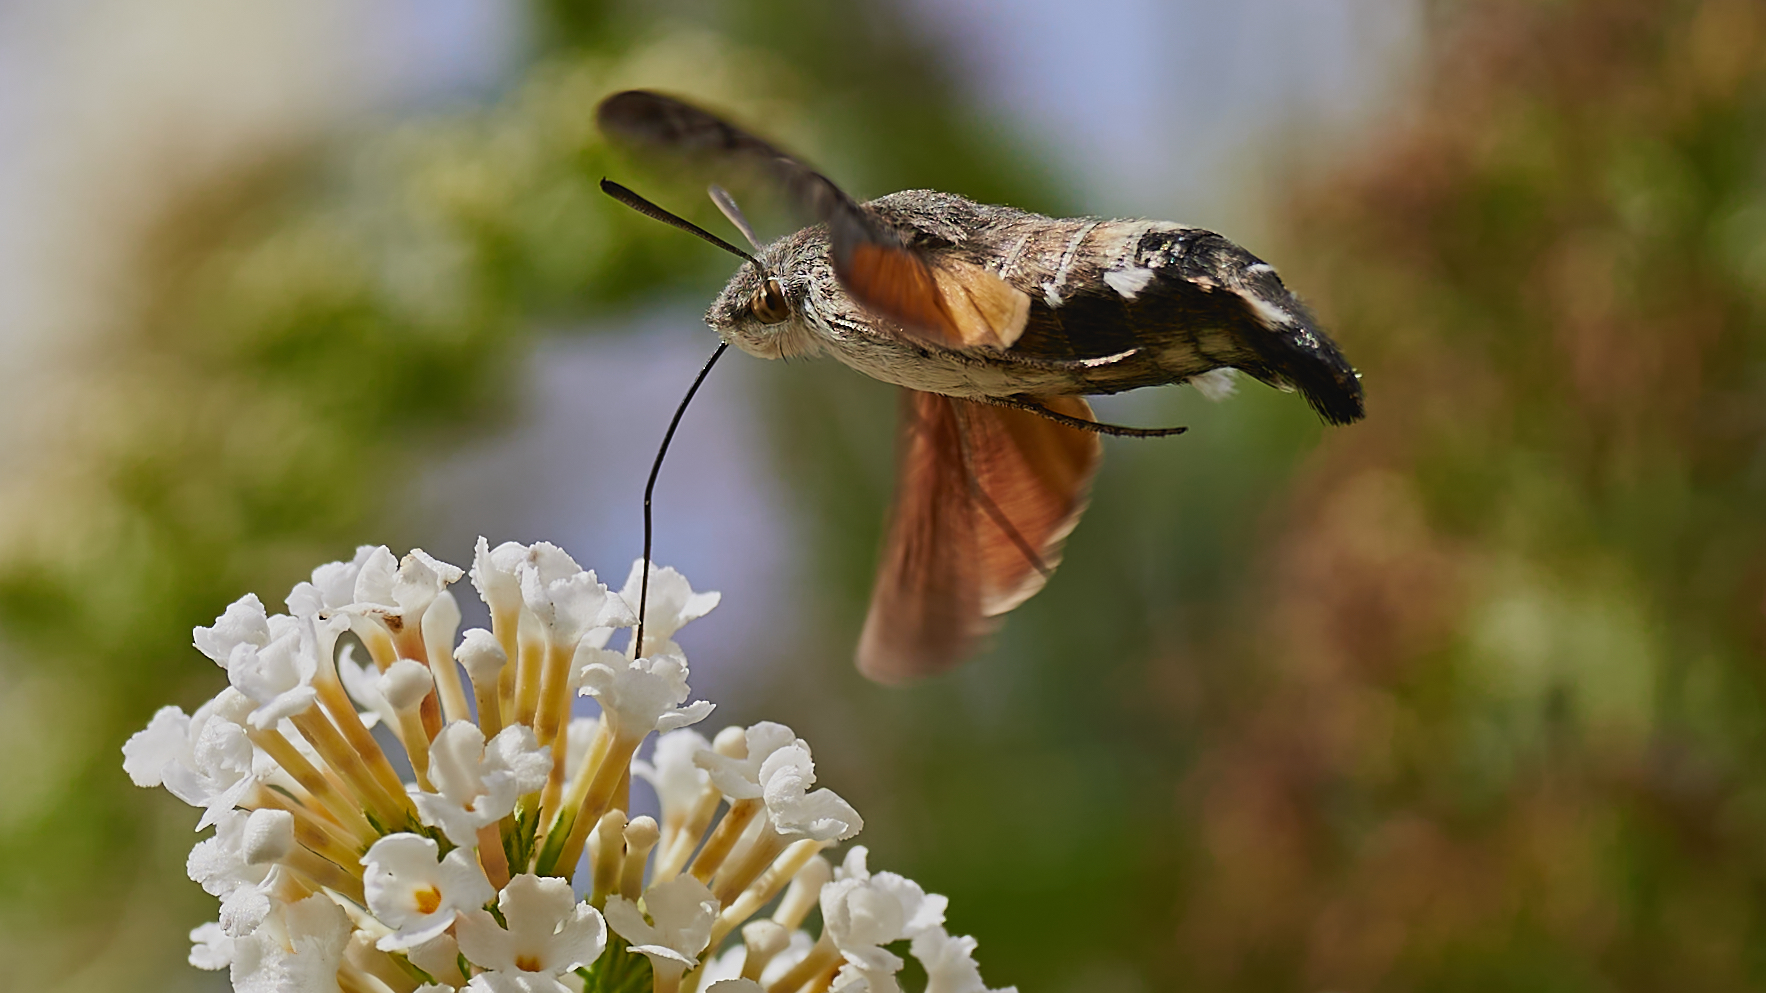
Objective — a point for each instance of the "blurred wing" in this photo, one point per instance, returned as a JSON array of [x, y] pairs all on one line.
[[946, 304], [926, 606], [985, 497], [646, 118]]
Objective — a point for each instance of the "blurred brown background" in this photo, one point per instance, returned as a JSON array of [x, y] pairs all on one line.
[[1468, 696]]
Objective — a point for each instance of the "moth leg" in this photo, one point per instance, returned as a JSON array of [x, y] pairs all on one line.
[[1096, 427]]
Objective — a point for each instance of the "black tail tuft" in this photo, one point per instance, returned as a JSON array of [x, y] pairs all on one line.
[[1296, 352], [1337, 396], [1309, 360], [1304, 357]]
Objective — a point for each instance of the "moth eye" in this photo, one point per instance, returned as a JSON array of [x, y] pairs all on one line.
[[769, 303]]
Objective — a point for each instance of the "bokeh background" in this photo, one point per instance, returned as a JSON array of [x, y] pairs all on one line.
[[1469, 696]]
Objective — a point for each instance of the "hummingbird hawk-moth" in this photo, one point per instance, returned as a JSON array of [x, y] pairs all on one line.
[[996, 322]]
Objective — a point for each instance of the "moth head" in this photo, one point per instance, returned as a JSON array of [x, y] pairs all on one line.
[[760, 311]]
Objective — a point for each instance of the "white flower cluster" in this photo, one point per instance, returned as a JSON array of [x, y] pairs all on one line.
[[336, 874]]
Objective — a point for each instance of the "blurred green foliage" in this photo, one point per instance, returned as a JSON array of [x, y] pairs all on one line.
[[1466, 696]]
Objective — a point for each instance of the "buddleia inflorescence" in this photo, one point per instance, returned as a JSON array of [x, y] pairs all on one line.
[[383, 824]]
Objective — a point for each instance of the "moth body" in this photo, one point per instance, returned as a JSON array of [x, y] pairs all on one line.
[[1113, 305], [960, 302]]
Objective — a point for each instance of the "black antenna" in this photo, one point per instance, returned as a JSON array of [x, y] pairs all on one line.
[[656, 467], [650, 210]]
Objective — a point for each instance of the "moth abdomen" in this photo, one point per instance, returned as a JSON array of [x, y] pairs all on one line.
[[1291, 344], [1272, 335]]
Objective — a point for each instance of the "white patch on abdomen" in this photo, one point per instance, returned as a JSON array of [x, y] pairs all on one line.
[[1271, 315], [1216, 384], [1128, 282]]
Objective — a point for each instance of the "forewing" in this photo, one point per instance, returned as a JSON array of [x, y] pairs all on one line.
[[984, 499], [946, 304]]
